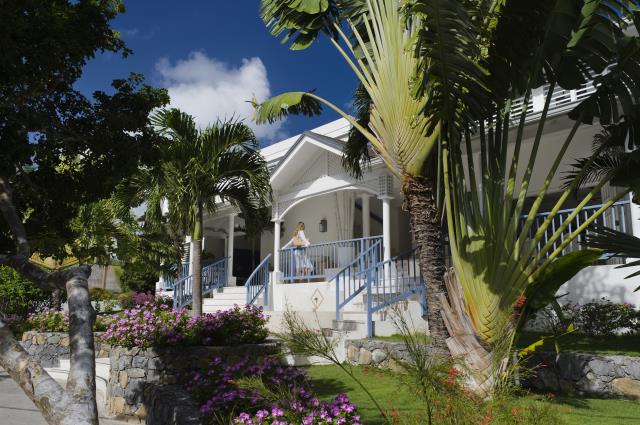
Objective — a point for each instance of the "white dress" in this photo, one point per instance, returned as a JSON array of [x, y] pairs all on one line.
[[300, 255]]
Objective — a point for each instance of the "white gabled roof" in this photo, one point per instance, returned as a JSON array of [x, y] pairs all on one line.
[[337, 129]]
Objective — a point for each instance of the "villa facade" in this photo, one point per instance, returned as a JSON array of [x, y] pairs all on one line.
[[352, 223]]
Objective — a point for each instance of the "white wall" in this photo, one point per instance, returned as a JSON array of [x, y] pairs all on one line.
[[596, 282]]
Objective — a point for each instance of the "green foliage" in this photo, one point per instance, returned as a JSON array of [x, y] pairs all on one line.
[[278, 107], [60, 149], [543, 291], [48, 321], [18, 296], [138, 277], [605, 318], [99, 294]]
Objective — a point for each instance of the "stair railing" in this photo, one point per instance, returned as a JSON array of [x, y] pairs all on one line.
[[214, 276], [392, 281], [259, 282], [352, 279]]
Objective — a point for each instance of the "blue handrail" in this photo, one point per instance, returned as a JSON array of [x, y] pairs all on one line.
[[617, 217], [259, 282], [352, 279], [214, 276], [392, 281], [323, 258]]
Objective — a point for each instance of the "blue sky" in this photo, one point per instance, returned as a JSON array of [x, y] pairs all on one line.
[[213, 55]]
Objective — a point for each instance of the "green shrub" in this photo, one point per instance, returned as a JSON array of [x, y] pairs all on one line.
[[18, 296], [605, 318], [99, 294], [137, 277], [58, 321]]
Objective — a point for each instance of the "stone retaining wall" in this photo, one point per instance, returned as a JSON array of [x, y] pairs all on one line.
[[586, 374], [135, 370], [49, 347], [371, 352], [170, 405], [567, 372]]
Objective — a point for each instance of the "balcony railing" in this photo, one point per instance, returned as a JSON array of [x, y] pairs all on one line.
[[617, 217], [323, 260], [562, 101]]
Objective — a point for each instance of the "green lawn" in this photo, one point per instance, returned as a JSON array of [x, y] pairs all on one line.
[[628, 345], [330, 380]]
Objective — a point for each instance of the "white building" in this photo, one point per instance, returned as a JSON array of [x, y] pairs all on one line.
[[352, 223]]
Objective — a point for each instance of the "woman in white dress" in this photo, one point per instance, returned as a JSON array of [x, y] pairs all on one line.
[[299, 242]]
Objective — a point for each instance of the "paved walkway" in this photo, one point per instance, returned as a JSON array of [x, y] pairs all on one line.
[[17, 409]]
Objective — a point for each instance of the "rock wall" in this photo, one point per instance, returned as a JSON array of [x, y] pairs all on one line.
[[376, 353], [49, 347], [170, 405], [571, 373], [586, 374], [135, 371]]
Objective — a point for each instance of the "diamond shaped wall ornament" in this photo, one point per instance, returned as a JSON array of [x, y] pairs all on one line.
[[316, 299]]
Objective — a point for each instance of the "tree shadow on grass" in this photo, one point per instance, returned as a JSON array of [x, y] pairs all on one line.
[[327, 388]]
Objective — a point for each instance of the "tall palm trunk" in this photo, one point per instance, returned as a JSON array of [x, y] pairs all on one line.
[[420, 202], [197, 265]]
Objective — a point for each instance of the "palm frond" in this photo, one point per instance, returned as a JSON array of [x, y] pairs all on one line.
[[292, 103], [447, 45], [356, 153], [616, 243], [300, 21]]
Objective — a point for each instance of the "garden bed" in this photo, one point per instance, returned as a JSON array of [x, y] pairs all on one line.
[[134, 370]]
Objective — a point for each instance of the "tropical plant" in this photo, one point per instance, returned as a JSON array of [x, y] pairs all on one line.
[[390, 116], [500, 260], [198, 171]]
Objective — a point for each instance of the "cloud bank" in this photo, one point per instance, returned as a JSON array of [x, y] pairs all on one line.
[[210, 89]]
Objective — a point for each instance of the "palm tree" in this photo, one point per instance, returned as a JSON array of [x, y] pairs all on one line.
[[501, 262], [200, 170], [390, 118]]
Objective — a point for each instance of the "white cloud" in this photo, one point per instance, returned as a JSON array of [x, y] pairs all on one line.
[[210, 89]]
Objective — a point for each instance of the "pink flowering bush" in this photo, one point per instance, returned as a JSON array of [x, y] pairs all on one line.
[[149, 325], [130, 300], [340, 412], [222, 390], [231, 327]]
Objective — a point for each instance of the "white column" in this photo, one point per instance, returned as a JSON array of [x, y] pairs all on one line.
[[635, 217], [366, 216], [230, 237], [276, 246], [386, 227]]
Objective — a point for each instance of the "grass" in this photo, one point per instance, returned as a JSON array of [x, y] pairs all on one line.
[[420, 336], [330, 380], [627, 345]]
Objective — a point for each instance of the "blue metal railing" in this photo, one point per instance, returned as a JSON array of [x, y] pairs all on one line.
[[259, 282], [323, 260], [170, 281], [384, 283], [214, 276], [392, 281], [617, 217], [352, 279]]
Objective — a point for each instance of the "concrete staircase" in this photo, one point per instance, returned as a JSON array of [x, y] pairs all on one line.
[[225, 299], [353, 318]]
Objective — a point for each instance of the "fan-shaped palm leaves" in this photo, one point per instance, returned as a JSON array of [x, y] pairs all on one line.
[[380, 47], [200, 170], [498, 256]]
